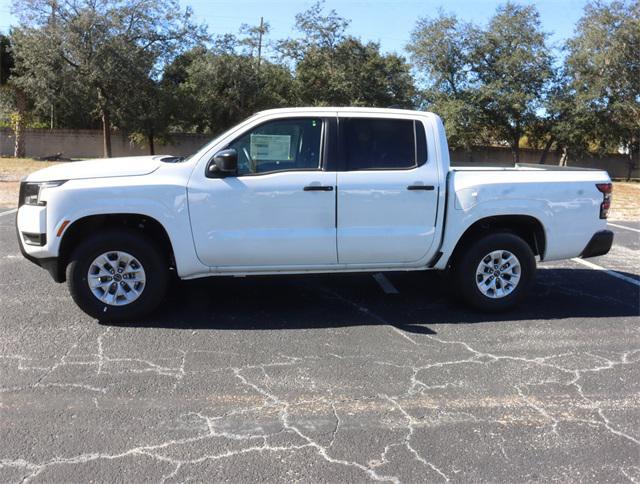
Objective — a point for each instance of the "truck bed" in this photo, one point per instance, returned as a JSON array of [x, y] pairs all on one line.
[[565, 200], [522, 167]]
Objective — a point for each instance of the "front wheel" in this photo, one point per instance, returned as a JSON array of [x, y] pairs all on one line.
[[495, 272], [117, 275]]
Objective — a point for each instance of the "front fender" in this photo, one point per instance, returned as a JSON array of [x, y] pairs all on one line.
[[166, 203]]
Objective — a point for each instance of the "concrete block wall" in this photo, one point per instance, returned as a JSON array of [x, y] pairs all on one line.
[[616, 165], [85, 143], [77, 143]]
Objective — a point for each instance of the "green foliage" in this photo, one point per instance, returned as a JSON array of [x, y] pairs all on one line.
[[564, 126], [217, 90], [144, 67], [224, 84], [320, 30], [353, 74], [253, 38], [514, 68], [6, 93], [603, 66], [441, 51], [332, 68], [6, 59], [489, 84], [100, 53]]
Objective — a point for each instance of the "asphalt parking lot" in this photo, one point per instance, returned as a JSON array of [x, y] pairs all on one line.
[[337, 378]]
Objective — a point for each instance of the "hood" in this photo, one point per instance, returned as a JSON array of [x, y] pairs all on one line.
[[98, 168]]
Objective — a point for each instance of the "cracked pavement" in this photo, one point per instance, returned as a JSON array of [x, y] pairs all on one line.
[[324, 379]]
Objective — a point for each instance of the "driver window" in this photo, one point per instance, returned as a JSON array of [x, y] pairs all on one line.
[[284, 144]]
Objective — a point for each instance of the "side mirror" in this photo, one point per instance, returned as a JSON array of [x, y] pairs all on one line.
[[224, 162]]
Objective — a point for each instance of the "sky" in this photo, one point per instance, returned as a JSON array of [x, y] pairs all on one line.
[[388, 22]]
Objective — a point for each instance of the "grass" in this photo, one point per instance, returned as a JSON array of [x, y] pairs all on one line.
[[626, 202], [12, 170], [625, 207]]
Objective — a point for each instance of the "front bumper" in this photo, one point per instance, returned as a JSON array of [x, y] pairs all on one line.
[[50, 264], [599, 244]]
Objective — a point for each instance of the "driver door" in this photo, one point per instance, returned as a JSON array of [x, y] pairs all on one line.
[[278, 211]]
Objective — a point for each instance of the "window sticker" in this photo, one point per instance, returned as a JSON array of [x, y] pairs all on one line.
[[270, 147]]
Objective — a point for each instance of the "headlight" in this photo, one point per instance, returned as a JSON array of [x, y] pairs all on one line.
[[30, 192]]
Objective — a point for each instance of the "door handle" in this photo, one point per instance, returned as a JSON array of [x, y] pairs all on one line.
[[421, 187], [318, 188]]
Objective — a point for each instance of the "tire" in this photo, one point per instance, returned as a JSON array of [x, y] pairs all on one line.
[[474, 272], [144, 264]]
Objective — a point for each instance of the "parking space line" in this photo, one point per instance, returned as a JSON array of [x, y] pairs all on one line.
[[402, 333], [624, 227], [596, 267], [385, 283], [14, 210]]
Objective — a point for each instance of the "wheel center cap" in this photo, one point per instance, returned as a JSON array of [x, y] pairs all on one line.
[[117, 277], [496, 273]]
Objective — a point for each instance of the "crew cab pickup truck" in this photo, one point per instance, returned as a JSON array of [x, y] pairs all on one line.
[[307, 190]]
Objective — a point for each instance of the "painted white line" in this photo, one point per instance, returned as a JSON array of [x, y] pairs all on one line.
[[624, 227], [385, 283], [8, 212], [402, 333], [596, 267]]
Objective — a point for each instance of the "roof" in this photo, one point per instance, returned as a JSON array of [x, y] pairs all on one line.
[[324, 109]]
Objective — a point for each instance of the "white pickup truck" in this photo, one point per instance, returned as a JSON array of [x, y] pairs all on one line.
[[306, 190]]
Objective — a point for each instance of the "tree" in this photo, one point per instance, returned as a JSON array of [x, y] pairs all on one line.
[[12, 98], [147, 116], [441, 51], [217, 88], [6, 60], [513, 68], [320, 30], [490, 83], [355, 74], [109, 46], [56, 96], [332, 68], [603, 64], [253, 39], [563, 126]]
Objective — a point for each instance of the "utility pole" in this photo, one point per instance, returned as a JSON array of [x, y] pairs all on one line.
[[260, 32]]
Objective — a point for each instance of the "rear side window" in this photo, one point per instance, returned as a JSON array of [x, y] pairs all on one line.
[[383, 144]]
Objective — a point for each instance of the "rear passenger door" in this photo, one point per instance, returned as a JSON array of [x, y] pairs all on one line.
[[387, 191]]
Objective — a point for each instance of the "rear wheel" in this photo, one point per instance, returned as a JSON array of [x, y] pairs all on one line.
[[495, 272], [117, 275]]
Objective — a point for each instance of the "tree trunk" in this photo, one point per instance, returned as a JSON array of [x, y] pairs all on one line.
[[545, 151], [515, 147], [516, 152], [106, 123], [19, 149], [106, 132], [564, 157], [634, 158], [152, 149]]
